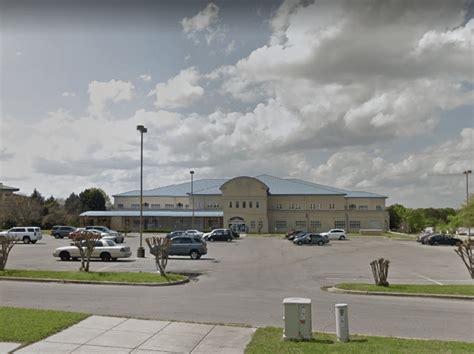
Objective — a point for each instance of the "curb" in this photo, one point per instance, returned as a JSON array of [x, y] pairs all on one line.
[[93, 282], [360, 292]]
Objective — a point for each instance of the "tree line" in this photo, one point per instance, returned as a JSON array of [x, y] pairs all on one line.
[[36, 210], [443, 219]]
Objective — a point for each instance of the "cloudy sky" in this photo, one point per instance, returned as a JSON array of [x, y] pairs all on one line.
[[363, 95]]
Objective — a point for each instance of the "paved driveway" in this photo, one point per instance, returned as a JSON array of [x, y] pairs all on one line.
[[245, 282]]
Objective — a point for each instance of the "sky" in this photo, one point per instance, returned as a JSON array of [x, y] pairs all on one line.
[[361, 95]]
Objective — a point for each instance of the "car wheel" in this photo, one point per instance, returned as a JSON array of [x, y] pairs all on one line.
[[320, 243], [229, 240], [57, 236], [26, 240], [114, 259], [342, 238], [211, 239], [299, 243], [458, 243], [65, 256], [34, 241], [194, 254], [105, 256], [75, 259], [436, 243]]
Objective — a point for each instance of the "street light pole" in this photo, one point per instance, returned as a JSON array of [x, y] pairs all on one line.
[[141, 250], [192, 197], [467, 173]]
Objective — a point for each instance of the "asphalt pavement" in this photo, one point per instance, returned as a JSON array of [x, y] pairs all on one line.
[[245, 281]]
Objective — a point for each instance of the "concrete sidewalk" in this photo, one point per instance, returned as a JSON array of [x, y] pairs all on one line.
[[99, 334]]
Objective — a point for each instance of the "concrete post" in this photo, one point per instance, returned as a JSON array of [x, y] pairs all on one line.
[[342, 323]]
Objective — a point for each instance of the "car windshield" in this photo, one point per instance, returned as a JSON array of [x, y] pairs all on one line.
[[110, 243]]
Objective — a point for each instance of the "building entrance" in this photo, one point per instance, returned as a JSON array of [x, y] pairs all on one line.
[[237, 224]]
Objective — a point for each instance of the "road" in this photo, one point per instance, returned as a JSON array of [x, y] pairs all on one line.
[[245, 282]]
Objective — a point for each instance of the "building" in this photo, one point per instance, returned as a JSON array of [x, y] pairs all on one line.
[[254, 204], [7, 197]]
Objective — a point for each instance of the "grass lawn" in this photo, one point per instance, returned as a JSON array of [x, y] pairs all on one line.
[[29, 325], [269, 340], [412, 288], [129, 277]]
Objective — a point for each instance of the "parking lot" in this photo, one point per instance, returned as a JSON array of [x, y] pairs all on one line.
[[335, 262], [245, 281]]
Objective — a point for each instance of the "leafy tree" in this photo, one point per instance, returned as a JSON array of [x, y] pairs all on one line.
[[92, 199], [6, 244], [467, 213], [24, 211], [36, 195], [85, 242], [73, 204], [415, 220], [397, 213]]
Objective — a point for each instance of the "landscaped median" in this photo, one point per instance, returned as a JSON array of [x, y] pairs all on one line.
[[457, 291], [115, 278], [19, 325], [269, 340]]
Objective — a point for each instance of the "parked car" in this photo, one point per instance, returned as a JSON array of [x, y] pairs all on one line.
[[27, 234], [106, 250], [194, 233], [309, 238], [115, 236], [335, 234], [296, 235], [422, 234], [235, 233], [424, 238], [60, 231], [291, 233], [219, 235], [440, 239], [173, 234], [192, 246]]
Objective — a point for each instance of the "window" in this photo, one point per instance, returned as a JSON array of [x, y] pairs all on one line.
[[352, 207], [331, 206], [314, 206], [250, 204], [146, 205], [243, 205], [278, 206], [169, 206], [379, 208], [260, 225], [315, 224], [280, 224], [136, 222], [237, 204], [252, 224], [186, 206], [120, 206], [110, 243], [179, 205], [257, 205], [354, 224], [363, 207], [230, 204], [300, 223], [155, 206], [135, 206], [340, 224], [31, 230], [291, 206], [297, 206]]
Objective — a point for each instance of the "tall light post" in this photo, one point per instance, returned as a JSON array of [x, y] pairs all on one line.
[[192, 197], [141, 250], [467, 173]]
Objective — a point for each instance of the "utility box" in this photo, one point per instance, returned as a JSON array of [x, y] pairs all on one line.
[[297, 318]]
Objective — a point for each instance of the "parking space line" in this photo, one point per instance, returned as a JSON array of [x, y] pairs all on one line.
[[434, 281], [112, 265]]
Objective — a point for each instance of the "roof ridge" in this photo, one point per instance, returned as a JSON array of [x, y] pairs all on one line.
[[322, 186]]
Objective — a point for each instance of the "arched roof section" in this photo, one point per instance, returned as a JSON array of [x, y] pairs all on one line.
[[244, 185]]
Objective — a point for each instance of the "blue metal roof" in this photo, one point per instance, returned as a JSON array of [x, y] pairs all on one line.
[[171, 213], [276, 185]]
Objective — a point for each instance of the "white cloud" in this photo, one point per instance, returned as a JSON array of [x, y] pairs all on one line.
[[145, 77], [102, 93], [205, 22], [68, 94], [230, 47], [179, 91]]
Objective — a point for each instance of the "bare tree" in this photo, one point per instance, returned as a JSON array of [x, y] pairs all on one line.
[[380, 271], [159, 247], [464, 251], [6, 243], [85, 241]]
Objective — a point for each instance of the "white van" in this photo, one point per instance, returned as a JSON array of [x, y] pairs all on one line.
[[27, 234]]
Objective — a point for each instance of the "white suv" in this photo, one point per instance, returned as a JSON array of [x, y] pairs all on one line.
[[27, 234], [335, 234]]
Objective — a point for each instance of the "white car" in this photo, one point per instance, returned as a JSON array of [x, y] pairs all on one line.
[[335, 234], [27, 234], [194, 233], [114, 235], [106, 250]]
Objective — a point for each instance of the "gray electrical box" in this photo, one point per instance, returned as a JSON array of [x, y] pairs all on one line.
[[297, 318]]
